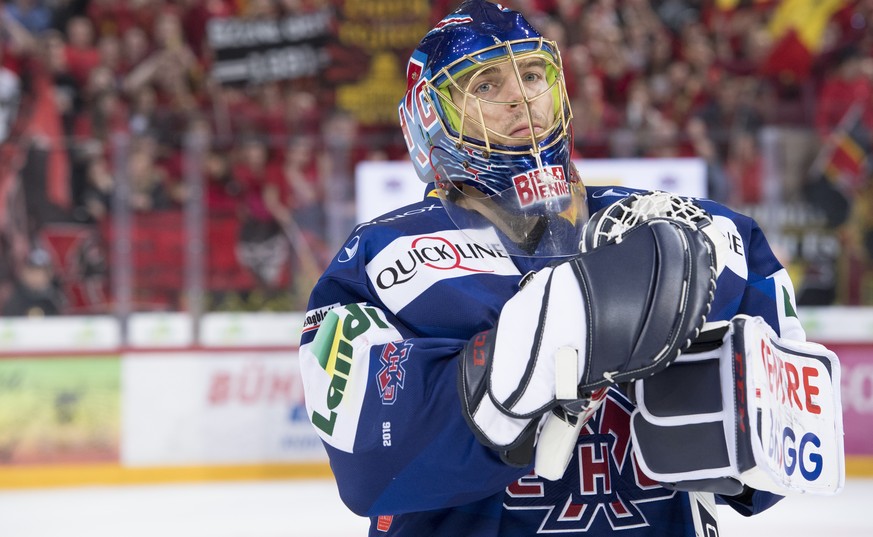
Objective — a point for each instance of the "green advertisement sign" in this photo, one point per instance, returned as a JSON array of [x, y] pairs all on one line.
[[60, 410]]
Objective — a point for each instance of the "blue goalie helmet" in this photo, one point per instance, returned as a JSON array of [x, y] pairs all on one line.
[[486, 119]]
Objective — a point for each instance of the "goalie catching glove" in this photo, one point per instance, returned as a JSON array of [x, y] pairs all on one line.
[[756, 411], [620, 312], [562, 426]]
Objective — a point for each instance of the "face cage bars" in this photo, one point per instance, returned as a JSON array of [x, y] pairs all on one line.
[[563, 104]]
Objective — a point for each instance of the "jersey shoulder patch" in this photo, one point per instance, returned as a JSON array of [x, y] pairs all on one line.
[[335, 369]]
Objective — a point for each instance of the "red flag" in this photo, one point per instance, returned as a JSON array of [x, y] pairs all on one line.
[[797, 28], [844, 159]]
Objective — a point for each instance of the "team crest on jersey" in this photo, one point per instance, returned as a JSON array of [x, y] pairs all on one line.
[[392, 375], [603, 482]]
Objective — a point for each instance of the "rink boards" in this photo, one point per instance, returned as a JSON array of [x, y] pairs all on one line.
[[81, 410]]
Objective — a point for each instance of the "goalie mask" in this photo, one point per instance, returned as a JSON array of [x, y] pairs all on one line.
[[486, 118]]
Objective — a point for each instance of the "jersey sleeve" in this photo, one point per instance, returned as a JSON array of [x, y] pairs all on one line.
[[385, 403], [770, 292], [754, 281]]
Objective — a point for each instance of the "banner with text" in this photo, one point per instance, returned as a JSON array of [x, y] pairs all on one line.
[[856, 376], [263, 50], [195, 408]]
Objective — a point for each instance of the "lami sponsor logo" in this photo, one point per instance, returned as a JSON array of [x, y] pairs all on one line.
[[537, 185], [337, 357], [335, 368], [410, 265], [313, 318]]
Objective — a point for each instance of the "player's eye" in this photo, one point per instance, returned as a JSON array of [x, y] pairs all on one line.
[[484, 87]]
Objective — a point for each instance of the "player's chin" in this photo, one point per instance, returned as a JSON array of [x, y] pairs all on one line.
[[513, 140], [520, 137]]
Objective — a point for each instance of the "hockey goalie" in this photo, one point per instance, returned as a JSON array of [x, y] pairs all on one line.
[[518, 354]]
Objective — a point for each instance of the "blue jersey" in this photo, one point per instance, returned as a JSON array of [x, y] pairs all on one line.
[[378, 355]]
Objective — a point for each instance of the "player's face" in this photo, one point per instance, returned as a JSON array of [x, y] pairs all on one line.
[[507, 106]]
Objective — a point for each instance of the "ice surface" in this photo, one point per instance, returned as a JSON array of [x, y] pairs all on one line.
[[313, 509]]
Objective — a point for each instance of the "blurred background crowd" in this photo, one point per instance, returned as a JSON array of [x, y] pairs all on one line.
[[160, 155]]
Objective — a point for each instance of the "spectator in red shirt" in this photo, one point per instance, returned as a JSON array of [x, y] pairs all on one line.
[[109, 48], [104, 112], [262, 246], [605, 42], [81, 52], [147, 182], [251, 172], [628, 140], [171, 65], [594, 119], [745, 170], [700, 144], [268, 99], [301, 113], [196, 15], [731, 111], [135, 47], [844, 87], [294, 193], [223, 191], [116, 17], [96, 199]]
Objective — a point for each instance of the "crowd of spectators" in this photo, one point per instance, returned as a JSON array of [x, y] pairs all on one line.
[[659, 78]]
